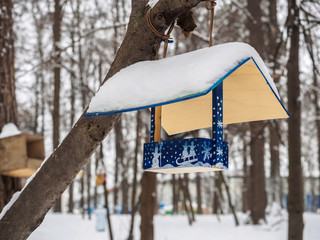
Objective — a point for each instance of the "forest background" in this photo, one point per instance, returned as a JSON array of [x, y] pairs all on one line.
[[64, 49]]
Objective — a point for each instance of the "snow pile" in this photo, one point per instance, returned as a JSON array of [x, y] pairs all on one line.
[[206, 227], [149, 83], [9, 130]]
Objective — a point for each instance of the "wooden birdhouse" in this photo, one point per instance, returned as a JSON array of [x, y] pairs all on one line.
[[21, 155], [224, 84]]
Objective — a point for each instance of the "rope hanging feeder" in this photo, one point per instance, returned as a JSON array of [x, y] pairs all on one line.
[[210, 4], [165, 37]]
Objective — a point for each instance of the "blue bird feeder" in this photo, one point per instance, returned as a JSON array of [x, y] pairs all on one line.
[[224, 84]]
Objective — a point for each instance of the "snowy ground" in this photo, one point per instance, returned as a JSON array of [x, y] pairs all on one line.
[[72, 227]]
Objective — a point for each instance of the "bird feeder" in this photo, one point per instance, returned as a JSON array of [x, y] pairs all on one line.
[[224, 84], [21, 155]]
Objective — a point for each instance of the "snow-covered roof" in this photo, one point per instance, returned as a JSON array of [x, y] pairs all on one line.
[[9, 130], [191, 75]]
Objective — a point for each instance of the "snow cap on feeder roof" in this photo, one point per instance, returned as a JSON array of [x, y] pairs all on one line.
[[183, 83]]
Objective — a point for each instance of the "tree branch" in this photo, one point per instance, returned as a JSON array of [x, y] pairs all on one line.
[[61, 167]]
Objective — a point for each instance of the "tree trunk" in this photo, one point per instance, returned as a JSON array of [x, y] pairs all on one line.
[[317, 107], [8, 105], [275, 180], [295, 181], [66, 161], [89, 188], [175, 195], [148, 204], [217, 197], [106, 200], [229, 199], [115, 16], [246, 176], [72, 110], [135, 173], [149, 189], [57, 19], [199, 191], [188, 196], [124, 192], [82, 192], [119, 159], [258, 195], [184, 193]]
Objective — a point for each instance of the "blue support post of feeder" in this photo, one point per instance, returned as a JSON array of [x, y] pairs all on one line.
[[217, 124], [152, 124]]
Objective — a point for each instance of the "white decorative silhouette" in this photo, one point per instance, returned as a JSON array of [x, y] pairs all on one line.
[[206, 151], [192, 151], [156, 158], [187, 157]]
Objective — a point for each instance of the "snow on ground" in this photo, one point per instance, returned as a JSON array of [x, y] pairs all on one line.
[[72, 227]]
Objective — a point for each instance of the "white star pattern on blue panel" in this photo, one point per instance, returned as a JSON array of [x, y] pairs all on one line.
[[219, 151], [220, 124]]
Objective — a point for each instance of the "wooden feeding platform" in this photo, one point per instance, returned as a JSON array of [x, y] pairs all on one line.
[[21, 155], [224, 84]]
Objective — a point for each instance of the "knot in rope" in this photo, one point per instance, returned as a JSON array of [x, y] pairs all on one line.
[[213, 4]]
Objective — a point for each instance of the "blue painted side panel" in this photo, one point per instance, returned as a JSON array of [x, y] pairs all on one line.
[[152, 124], [194, 152], [217, 122]]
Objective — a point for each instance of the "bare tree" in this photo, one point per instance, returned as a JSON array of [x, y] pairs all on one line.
[[57, 19], [295, 196], [274, 129], [135, 173], [8, 105], [258, 195], [69, 157]]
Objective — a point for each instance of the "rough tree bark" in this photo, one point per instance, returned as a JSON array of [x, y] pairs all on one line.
[[258, 200], [295, 181], [61, 167], [8, 106], [56, 71]]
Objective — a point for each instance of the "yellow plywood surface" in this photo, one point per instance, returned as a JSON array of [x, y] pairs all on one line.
[[20, 173], [246, 97]]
